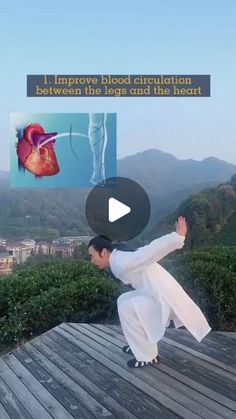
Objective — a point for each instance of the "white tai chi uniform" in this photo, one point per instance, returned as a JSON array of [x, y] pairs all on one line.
[[157, 299]]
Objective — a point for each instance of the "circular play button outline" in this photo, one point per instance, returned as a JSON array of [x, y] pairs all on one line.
[[116, 210], [120, 209]]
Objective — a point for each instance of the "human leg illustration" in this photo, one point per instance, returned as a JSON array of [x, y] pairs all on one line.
[[98, 140]]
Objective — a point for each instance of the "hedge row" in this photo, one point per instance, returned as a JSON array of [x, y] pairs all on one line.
[[72, 292], [29, 282], [209, 276]]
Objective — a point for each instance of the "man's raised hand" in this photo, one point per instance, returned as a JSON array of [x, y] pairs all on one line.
[[181, 226]]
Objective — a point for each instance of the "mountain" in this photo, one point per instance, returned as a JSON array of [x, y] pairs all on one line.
[[168, 181], [47, 213], [162, 173], [210, 214]]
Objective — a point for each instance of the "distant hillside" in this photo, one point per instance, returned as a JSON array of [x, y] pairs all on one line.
[[47, 213], [227, 234], [41, 213], [211, 217], [161, 173], [168, 181]]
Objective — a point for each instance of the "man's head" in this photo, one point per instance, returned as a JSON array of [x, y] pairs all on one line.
[[100, 248]]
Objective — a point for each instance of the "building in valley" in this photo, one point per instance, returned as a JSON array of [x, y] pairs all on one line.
[[6, 263]]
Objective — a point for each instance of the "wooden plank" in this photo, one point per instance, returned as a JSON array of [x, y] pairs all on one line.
[[114, 340], [228, 335], [205, 361], [97, 352], [191, 355], [222, 341], [51, 383], [80, 400], [177, 360], [107, 341], [227, 371], [222, 348], [116, 327], [230, 370], [16, 384], [121, 390], [205, 346], [73, 375], [164, 378], [123, 395], [209, 398], [3, 413], [170, 351], [9, 401], [158, 385], [222, 345], [119, 340], [223, 378]]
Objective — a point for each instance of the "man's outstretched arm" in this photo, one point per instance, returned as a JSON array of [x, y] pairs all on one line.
[[156, 250]]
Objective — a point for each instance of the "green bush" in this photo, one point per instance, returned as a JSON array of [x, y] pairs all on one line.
[[70, 291], [209, 277], [29, 282]]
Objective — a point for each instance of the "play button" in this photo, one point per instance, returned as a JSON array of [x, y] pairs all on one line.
[[117, 210], [120, 209]]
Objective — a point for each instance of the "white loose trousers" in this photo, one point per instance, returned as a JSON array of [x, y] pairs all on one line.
[[136, 311]]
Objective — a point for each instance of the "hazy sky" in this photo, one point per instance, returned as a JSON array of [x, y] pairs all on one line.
[[127, 37]]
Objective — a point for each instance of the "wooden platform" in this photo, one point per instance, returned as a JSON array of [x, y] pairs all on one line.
[[79, 371]]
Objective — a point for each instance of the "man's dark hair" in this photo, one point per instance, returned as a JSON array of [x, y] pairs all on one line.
[[101, 242]]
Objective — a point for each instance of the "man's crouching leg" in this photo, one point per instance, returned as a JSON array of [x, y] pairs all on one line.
[[144, 350]]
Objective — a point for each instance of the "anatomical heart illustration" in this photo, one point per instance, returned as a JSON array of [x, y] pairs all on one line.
[[62, 150], [39, 160]]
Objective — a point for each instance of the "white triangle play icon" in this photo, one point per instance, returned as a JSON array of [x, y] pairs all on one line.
[[117, 209]]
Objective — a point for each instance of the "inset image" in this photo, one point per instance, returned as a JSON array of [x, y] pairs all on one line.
[[62, 150]]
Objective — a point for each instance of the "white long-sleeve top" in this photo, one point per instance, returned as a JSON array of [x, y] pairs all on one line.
[[141, 270]]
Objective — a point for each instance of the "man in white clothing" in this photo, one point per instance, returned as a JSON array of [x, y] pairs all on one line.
[[158, 298]]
